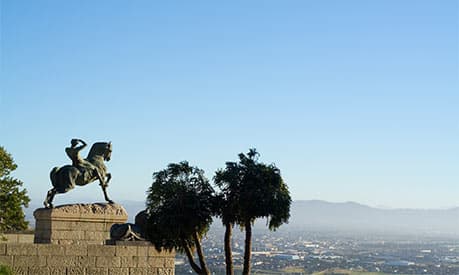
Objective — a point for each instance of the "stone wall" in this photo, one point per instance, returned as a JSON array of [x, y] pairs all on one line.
[[17, 238], [86, 259]]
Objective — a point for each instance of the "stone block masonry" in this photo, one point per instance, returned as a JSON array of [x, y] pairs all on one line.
[[77, 223], [70, 240], [86, 259], [17, 238]]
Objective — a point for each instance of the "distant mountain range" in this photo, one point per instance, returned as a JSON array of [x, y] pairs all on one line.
[[351, 216], [317, 215]]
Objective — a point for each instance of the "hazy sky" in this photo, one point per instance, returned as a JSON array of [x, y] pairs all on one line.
[[352, 100]]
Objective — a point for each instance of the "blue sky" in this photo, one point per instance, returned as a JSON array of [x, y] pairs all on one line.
[[352, 100]]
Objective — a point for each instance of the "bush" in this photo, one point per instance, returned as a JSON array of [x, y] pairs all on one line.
[[5, 270]]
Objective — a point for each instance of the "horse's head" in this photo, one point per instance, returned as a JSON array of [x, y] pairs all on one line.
[[102, 149], [108, 151]]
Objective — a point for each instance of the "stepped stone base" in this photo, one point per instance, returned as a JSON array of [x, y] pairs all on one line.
[[77, 223]]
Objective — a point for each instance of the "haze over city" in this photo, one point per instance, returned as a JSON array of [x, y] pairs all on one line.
[[352, 100]]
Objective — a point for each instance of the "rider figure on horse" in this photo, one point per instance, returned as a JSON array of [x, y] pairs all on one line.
[[82, 171], [73, 152]]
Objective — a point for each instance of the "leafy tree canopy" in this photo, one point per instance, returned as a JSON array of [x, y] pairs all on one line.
[[12, 196], [179, 204], [251, 190]]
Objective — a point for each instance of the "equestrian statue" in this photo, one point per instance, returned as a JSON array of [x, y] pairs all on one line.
[[81, 171]]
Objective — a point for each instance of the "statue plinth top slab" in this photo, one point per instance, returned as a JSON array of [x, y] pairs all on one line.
[[81, 211]]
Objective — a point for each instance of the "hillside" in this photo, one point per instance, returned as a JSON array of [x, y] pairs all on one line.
[[317, 214]]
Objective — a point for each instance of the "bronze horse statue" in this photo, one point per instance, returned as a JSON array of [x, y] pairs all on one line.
[[66, 177]]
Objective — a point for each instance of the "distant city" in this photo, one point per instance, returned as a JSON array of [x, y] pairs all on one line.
[[306, 252]]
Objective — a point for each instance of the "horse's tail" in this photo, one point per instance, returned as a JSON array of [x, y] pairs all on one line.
[[52, 175]]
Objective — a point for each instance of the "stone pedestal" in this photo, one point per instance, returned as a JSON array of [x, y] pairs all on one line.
[[77, 223]]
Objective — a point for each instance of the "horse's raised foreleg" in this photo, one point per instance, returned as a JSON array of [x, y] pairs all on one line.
[[104, 189], [103, 184], [48, 203], [109, 177]]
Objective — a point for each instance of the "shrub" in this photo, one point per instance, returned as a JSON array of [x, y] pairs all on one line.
[[5, 270]]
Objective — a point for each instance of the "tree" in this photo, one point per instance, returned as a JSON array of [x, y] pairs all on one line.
[[12, 196], [180, 208], [252, 190], [227, 200]]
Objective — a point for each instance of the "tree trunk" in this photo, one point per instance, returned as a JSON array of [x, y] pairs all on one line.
[[202, 260], [228, 252], [247, 248], [189, 255]]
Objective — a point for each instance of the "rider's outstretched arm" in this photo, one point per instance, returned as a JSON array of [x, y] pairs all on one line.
[[83, 144]]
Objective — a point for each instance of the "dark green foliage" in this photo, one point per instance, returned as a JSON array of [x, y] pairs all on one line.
[[12, 196], [180, 208], [5, 270], [251, 190], [181, 203]]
